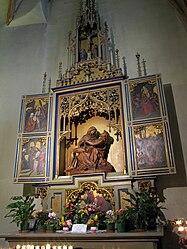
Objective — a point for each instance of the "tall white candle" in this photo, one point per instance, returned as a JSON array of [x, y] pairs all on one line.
[[65, 247], [23, 247], [31, 246], [42, 247], [18, 246], [70, 247], [37, 247], [48, 246]]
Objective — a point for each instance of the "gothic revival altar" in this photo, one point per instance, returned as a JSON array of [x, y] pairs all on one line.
[[96, 124]]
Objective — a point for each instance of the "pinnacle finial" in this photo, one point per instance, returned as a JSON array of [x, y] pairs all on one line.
[[138, 64], [44, 83]]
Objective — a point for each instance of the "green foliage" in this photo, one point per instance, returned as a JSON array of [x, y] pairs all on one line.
[[41, 217], [143, 208], [21, 209], [121, 216]]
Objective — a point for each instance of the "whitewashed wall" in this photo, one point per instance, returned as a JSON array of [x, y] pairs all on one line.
[[150, 27]]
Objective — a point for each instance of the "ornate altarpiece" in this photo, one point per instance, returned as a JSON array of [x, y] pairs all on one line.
[[94, 92]]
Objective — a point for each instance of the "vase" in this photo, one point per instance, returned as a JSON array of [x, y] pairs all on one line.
[[50, 228], [121, 227], [32, 224], [110, 227]]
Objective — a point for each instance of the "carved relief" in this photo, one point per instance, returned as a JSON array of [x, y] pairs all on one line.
[[89, 191]]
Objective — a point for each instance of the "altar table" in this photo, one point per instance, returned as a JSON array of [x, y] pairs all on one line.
[[126, 240]]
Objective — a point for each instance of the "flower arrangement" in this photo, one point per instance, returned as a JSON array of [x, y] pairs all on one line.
[[69, 210], [52, 221], [121, 216], [110, 220], [110, 217], [77, 213], [123, 223], [65, 223]]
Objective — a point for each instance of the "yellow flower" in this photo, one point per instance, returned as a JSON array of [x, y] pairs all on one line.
[[86, 212], [90, 222], [62, 219], [96, 217]]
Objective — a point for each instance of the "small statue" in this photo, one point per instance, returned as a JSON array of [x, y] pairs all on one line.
[[92, 152], [83, 54], [95, 51]]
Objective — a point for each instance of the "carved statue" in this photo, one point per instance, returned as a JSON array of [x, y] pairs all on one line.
[[92, 152]]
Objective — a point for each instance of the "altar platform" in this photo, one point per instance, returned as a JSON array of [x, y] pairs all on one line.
[[99, 240]]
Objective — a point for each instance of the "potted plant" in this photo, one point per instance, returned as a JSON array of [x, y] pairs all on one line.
[[144, 209], [21, 211], [110, 221], [52, 222], [41, 217], [122, 221]]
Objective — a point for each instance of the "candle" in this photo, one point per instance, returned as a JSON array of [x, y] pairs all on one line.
[[23, 247], [48, 246], [37, 247], [42, 247], [31, 247], [70, 247], [54, 247], [28, 246], [18, 246], [59, 247], [180, 229], [65, 247]]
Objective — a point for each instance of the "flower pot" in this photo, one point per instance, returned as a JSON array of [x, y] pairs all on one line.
[[110, 227], [121, 227], [93, 229], [50, 229], [41, 228], [24, 228]]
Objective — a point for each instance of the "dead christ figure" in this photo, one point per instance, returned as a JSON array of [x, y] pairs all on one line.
[[92, 152]]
